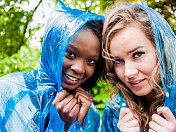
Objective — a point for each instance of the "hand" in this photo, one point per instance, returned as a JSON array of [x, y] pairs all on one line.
[[160, 124], [85, 100], [127, 122], [67, 107]]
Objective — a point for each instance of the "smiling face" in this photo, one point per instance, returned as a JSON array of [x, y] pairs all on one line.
[[135, 59], [80, 59]]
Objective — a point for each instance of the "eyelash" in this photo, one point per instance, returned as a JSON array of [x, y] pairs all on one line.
[[70, 54], [90, 63], [139, 54], [119, 61]]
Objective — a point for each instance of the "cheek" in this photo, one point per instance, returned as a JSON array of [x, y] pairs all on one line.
[[119, 73], [90, 71], [148, 66]]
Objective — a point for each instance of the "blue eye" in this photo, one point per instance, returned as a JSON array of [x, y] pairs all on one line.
[[118, 61], [137, 54], [70, 54]]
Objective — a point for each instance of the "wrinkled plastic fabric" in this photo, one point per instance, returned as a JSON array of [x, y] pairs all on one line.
[[166, 51], [26, 97]]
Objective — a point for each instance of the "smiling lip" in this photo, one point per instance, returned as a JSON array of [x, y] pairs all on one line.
[[70, 79], [136, 83]]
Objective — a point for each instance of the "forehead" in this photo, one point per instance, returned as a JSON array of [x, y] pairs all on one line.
[[85, 42], [128, 38]]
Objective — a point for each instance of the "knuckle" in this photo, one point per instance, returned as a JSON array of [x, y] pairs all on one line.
[[58, 107], [65, 111], [71, 96], [166, 109]]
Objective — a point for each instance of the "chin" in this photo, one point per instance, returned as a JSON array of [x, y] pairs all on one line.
[[69, 87]]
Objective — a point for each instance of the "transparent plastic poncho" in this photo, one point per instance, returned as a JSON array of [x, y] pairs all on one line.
[[26, 97], [166, 52]]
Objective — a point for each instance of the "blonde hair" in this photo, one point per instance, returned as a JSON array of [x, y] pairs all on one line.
[[118, 19]]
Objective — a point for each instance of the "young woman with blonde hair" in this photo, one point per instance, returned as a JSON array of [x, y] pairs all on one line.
[[140, 51]]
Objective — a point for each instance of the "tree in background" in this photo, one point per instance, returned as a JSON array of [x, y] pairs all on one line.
[[16, 32]]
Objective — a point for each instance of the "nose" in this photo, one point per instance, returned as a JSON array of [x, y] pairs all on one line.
[[78, 67], [131, 69]]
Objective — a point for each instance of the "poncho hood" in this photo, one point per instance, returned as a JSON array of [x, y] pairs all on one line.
[[165, 40], [62, 24], [26, 97]]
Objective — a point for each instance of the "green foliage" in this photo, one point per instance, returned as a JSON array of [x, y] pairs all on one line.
[[14, 23], [25, 59], [94, 6], [167, 8], [101, 93]]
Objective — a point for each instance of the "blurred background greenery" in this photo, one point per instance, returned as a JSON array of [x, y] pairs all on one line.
[[22, 27]]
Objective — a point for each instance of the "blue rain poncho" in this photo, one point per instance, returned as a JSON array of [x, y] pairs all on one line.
[[26, 97], [165, 40]]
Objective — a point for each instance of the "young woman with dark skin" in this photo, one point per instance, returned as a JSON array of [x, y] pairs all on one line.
[[54, 97], [79, 64]]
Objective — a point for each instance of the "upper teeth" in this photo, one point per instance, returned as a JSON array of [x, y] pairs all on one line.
[[71, 78], [136, 82]]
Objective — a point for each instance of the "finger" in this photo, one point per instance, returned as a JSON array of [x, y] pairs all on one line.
[[64, 102], [167, 113], [86, 96], [154, 126], [60, 96], [84, 101], [132, 129], [80, 91], [130, 124], [76, 109], [84, 108], [123, 112], [150, 130], [128, 117], [159, 120], [70, 105]]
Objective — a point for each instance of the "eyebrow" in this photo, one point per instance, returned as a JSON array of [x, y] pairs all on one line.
[[70, 45], [135, 49], [131, 51]]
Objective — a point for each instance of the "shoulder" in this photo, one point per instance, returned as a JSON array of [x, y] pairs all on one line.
[[112, 108], [13, 84], [111, 114], [11, 81]]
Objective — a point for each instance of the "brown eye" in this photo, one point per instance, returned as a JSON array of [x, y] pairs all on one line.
[[70, 54], [91, 62]]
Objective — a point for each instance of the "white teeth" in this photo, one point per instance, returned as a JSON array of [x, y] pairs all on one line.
[[71, 78], [136, 82]]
